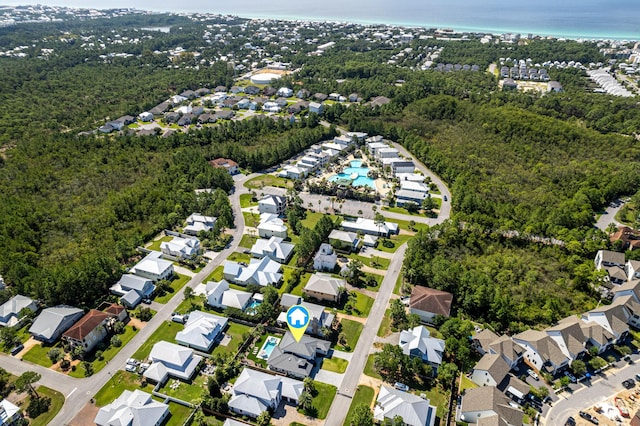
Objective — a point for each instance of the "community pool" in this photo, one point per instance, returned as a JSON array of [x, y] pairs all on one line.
[[267, 347], [356, 174]]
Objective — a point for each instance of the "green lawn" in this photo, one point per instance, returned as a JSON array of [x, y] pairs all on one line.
[[438, 399], [397, 240], [351, 330], [404, 224], [155, 245], [247, 240], [337, 365], [361, 307], [38, 354], [259, 182], [246, 201], [313, 218], [364, 395], [107, 354], [167, 331], [239, 257], [197, 303], [378, 280], [369, 370], [398, 286], [251, 219], [216, 275], [179, 413], [176, 286], [466, 383], [119, 382], [372, 262], [57, 401], [385, 325], [286, 274], [184, 391], [323, 399], [236, 331]]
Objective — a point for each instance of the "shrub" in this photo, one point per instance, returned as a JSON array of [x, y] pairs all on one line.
[[388, 244], [115, 341], [37, 406]]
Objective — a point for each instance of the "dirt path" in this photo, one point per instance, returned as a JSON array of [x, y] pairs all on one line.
[[351, 317], [135, 322]]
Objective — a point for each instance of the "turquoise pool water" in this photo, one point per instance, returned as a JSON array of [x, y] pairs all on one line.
[[267, 347], [361, 172], [251, 309]]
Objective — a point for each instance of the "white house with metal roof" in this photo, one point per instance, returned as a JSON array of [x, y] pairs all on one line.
[[132, 289], [197, 222], [10, 310], [181, 247], [169, 359], [271, 226], [324, 287], [154, 267], [201, 330], [133, 408], [417, 342], [260, 272], [415, 411], [52, 322], [274, 248]]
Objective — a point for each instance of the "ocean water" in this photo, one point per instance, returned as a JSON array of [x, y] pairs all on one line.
[[617, 19]]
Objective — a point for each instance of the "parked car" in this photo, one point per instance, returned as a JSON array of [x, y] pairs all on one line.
[[131, 368], [16, 349], [570, 376], [444, 198], [132, 361], [533, 374], [534, 399], [589, 417], [146, 301], [401, 386], [638, 376], [630, 383], [570, 422]]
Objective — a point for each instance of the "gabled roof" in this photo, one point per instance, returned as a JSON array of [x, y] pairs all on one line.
[[415, 411], [494, 365], [489, 398], [201, 330], [170, 353], [257, 384], [325, 284], [418, 340], [612, 257], [272, 200], [431, 300], [134, 282], [307, 346], [485, 338], [274, 247], [51, 319], [235, 298], [288, 300], [615, 314], [597, 333], [86, 325], [347, 237], [572, 336], [153, 264], [543, 344], [247, 404], [504, 345], [260, 271], [135, 408], [13, 306], [216, 289]]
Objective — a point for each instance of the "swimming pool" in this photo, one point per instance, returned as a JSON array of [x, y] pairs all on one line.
[[356, 174], [251, 309], [267, 347]]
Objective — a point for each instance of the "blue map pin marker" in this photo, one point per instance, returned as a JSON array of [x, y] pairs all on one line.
[[298, 319]]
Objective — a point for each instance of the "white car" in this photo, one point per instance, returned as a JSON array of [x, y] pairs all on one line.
[[533, 374], [570, 376], [132, 361], [130, 368]]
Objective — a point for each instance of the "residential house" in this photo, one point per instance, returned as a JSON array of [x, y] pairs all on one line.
[[201, 331], [225, 115], [632, 269], [386, 153], [292, 172], [613, 263], [325, 259], [118, 312], [10, 310], [219, 295], [132, 289], [169, 359], [542, 351], [414, 410], [197, 223], [160, 109], [369, 226], [206, 118], [251, 90], [52, 322], [177, 99], [491, 370], [243, 103], [554, 86], [288, 300], [184, 247], [379, 101], [146, 117], [171, 117], [428, 302], [255, 392], [260, 272], [373, 145], [153, 267], [133, 408], [298, 107], [481, 340], [186, 119], [297, 358], [302, 94], [613, 318], [597, 336], [403, 167], [629, 238], [511, 352], [354, 97], [203, 91], [10, 414], [488, 406], [273, 204], [316, 108], [629, 288], [230, 165], [274, 248], [404, 197], [90, 330], [325, 287], [189, 94], [285, 92], [418, 343], [271, 226], [343, 241], [412, 177], [320, 318], [320, 97], [569, 337]]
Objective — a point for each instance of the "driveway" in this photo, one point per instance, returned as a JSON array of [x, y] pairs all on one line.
[[609, 215], [329, 377]]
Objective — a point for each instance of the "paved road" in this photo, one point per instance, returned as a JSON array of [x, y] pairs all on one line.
[[340, 407], [589, 395], [609, 215], [78, 392]]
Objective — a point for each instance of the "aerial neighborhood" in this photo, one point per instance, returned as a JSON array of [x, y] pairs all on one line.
[[302, 223]]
